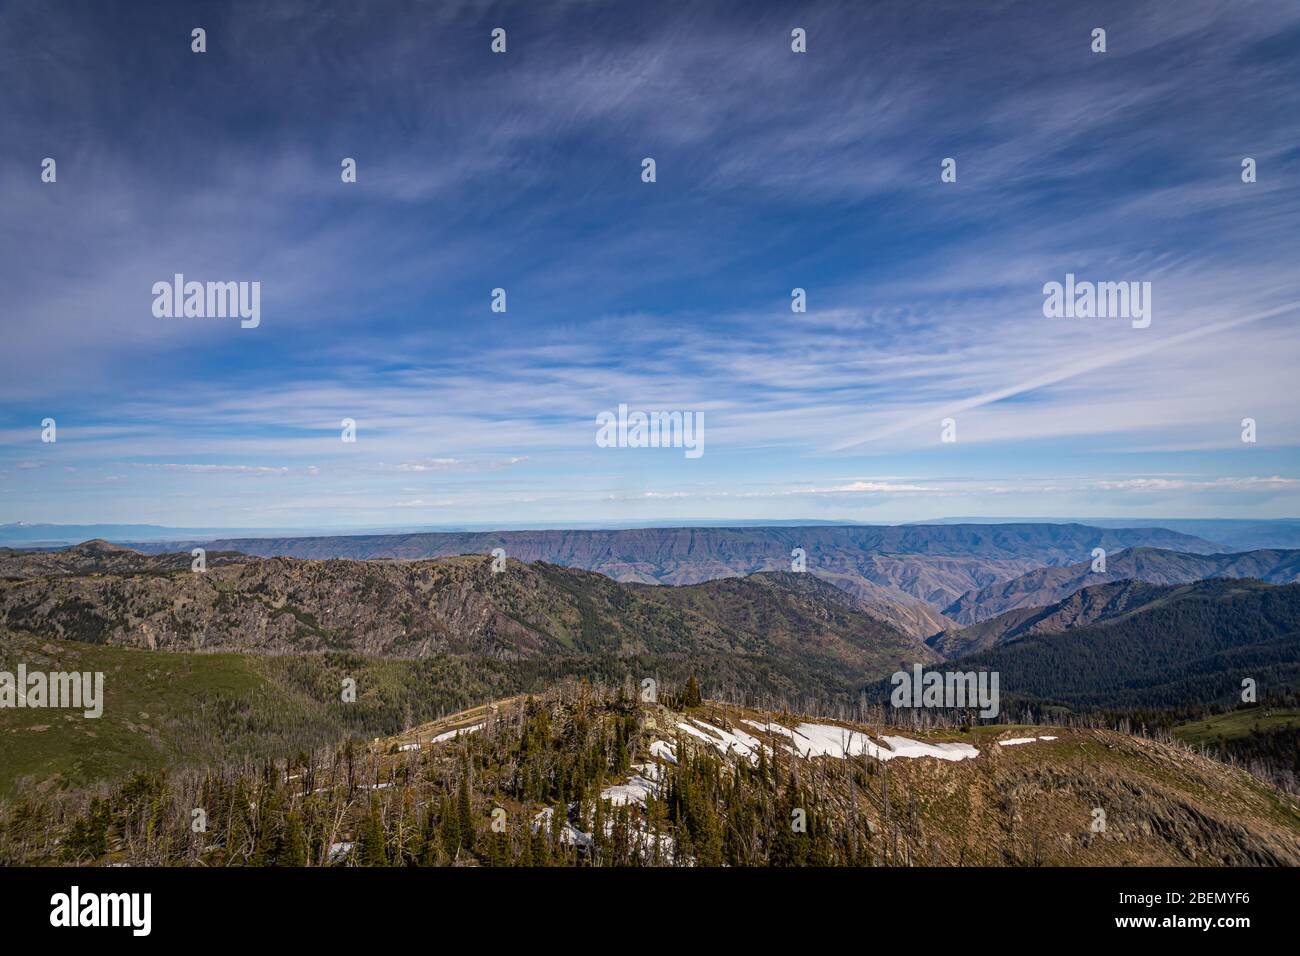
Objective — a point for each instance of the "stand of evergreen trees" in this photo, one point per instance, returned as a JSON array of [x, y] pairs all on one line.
[[523, 791]]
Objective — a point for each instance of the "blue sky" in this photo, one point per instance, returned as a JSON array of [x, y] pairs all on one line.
[[522, 171]]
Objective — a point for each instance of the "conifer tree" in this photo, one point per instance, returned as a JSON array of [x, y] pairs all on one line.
[[526, 850], [541, 854], [293, 845], [449, 828], [691, 695], [430, 840], [373, 851], [465, 811]]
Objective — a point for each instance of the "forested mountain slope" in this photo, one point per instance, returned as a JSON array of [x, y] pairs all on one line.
[[1194, 644], [1044, 586]]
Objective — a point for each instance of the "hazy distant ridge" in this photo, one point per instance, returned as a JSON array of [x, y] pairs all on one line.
[[906, 573]]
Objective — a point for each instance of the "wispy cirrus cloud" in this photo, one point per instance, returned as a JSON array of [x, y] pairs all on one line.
[[776, 171], [201, 469], [455, 464]]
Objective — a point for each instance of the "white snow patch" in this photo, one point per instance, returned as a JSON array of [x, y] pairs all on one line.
[[725, 741], [663, 750], [694, 732], [569, 834], [449, 735], [1014, 741], [902, 747], [770, 728], [830, 740], [634, 791]]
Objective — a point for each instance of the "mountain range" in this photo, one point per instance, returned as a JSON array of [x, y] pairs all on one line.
[[1046, 585], [243, 660], [792, 628], [1128, 645], [768, 632], [905, 574]]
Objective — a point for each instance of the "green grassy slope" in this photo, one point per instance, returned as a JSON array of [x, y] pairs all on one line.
[[1235, 724]]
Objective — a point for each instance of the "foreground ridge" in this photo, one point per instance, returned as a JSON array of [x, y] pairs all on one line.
[[594, 776]]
